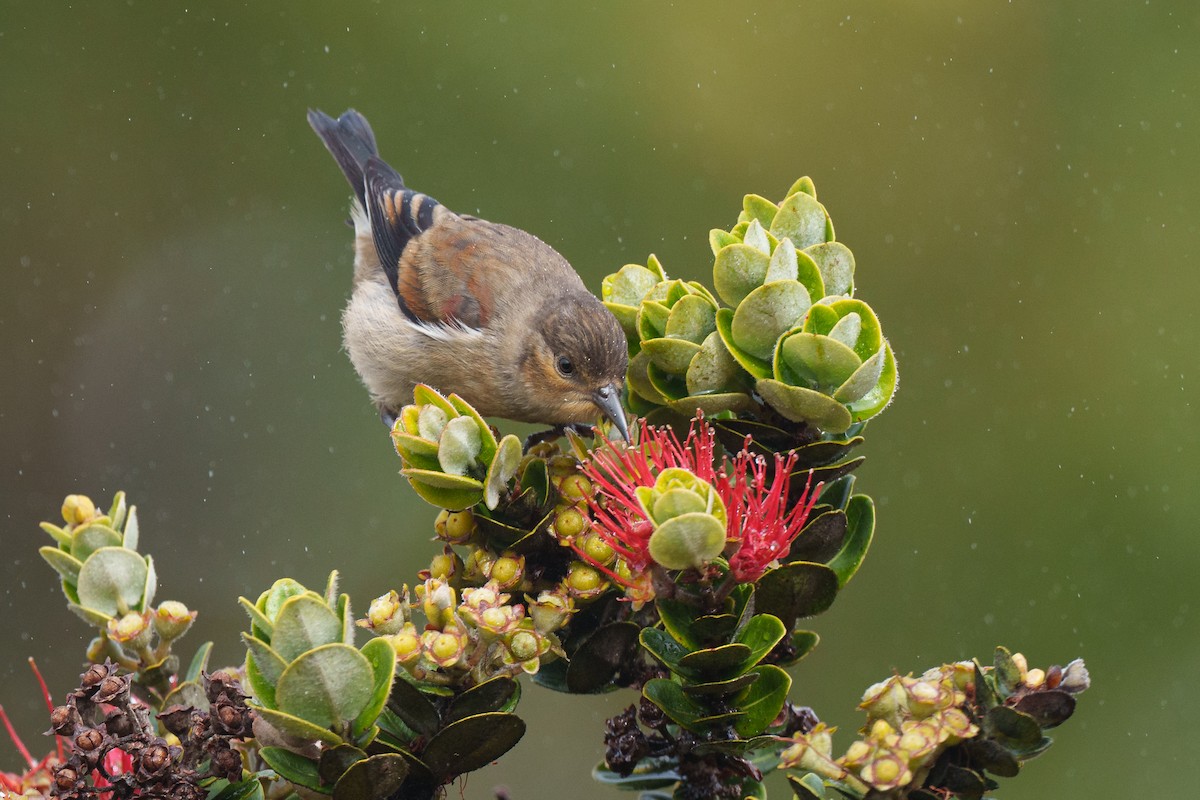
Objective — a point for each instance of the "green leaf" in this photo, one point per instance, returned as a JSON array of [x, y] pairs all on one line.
[[692, 319], [762, 701], [1012, 728], [149, 587], [506, 459], [796, 590], [739, 270], [304, 622], [600, 657], [334, 761], [199, 662], [261, 689], [496, 694], [329, 685], [413, 707], [664, 647], [881, 394], [472, 743], [374, 778], [870, 335], [452, 492], [260, 626], [652, 319], [650, 773], [382, 658], [725, 688], [427, 395], [802, 219], [836, 264], [112, 580], [672, 355], [418, 453], [60, 536], [187, 693], [718, 239], [295, 727], [1049, 707], [766, 314], [805, 185], [756, 366], [65, 564], [678, 618], [689, 540], [270, 601], [759, 208], [683, 710], [249, 789], [295, 768], [714, 663], [761, 634], [88, 540], [713, 368], [819, 362], [799, 404], [860, 530], [1007, 674], [628, 285], [807, 788]]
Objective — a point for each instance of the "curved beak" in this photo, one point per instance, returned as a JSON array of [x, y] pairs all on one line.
[[608, 400]]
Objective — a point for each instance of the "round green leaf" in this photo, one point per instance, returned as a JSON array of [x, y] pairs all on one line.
[[759, 208], [112, 581], [487, 440], [600, 657], [836, 263], [382, 657], [372, 778], [638, 380], [628, 285], [863, 380], [766, 313], [88, 540], [818, 361], [327, 686], [431, 421], [881, 394], [652, 319], [870, 336], [762, 701], [66, 565], [672, 355], [689, 540], [268, 662], [796, 590], [739, 270], [444, 491], [802, 219], [751, 363], [293, 767], [416, 451], [847, 329], [295, 729], [711, 404], [692, 318], [805, 405], [713, 368], [716, 663], [304, 622], [472, 743]]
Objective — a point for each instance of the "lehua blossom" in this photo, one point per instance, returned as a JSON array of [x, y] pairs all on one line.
[[761, 523]]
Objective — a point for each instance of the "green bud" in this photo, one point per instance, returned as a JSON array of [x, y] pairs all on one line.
[[172, 619]]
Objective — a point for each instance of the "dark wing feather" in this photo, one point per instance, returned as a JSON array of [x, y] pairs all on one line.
[[350, 140]]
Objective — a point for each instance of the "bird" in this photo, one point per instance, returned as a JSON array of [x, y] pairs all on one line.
[[466, 306]]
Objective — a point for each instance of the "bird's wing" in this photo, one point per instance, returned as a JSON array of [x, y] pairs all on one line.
[[436, 261]]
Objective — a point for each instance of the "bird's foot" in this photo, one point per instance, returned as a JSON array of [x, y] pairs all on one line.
[[549, 435]]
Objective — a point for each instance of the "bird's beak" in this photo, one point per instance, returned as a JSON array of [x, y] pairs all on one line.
[[608, 400]]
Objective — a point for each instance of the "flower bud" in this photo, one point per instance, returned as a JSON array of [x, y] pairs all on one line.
[[507, 571], [444, 648], [445, 565], [569, 522], [575, 488], [387, 614], [1075, 677], [172, 619], [524, 646], [1021, 663], [597, 550], [584, 582], [1035, 677], [455, 527], [407, 644], [133, 629], [886, 771], [437, 602], [78, 509], [551, 610]]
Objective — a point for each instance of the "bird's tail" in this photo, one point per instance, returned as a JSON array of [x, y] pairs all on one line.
[[351, 141]]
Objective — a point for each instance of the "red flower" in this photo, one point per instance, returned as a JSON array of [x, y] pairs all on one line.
[[761, 526]]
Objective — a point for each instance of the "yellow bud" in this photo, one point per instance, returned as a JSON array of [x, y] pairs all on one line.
[[598, 550], [575, 488], [78, 509], [1035, 678], [455, 527], [569, 523]]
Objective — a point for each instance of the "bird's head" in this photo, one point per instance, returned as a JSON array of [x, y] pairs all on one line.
[[574, 363]]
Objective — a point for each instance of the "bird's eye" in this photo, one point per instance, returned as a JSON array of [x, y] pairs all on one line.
[[565, 367]]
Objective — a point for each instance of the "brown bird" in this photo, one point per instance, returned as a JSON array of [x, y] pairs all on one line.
[[466, 305]]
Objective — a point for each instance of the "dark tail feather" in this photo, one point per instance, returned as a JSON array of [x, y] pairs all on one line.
[[350, 140]]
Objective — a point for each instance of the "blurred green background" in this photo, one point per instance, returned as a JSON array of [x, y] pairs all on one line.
[[1017, 181]]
